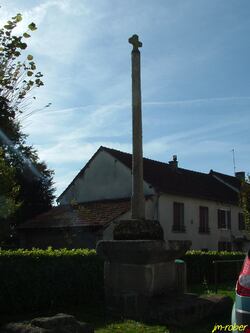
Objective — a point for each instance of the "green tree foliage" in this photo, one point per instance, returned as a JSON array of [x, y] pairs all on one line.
[[8, 189], [245, 202], [17, 80], [8, 194]]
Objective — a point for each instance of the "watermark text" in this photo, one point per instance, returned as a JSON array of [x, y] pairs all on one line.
[[229, 328]]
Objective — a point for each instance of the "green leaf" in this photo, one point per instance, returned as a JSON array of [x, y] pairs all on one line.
[[8, 27], [22, 46], [29, 73], [18, 17], [26, 35], [32, 26], [30, 57]]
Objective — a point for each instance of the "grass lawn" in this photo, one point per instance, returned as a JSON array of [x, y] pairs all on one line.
[[96, 317], [130, 326]]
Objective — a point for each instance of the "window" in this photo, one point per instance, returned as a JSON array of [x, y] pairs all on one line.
[[241, 222], [224, 219], [203, 217], [178, 223], [224, 246]]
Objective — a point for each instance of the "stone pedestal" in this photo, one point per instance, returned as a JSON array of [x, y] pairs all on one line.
[[134, 272], [138, 229]]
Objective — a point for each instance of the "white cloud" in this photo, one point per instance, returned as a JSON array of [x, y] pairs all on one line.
[[80, 122], [200, 101], [65, 152], [70, 152]]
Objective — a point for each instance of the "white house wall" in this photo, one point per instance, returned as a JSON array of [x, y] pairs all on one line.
[[191, 219], [162, 210], [105, 178]]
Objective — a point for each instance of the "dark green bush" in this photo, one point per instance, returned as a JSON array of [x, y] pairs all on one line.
[[46, 279], [200, 266], [41, 280]]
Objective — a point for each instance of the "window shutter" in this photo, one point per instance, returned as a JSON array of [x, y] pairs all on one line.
[[175, 226], [241, 221], [182, 215], [203, 226], [219, 219], [223, 219], [229, 219], [178, 220]]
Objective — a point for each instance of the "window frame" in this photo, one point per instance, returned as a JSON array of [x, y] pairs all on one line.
[[241, 222], [224, 219], [204, 220], [178, 217]]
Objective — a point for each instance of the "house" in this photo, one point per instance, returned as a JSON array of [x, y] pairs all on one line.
[[191, 206], [72, 225]]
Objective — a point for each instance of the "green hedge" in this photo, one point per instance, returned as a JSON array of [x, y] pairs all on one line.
[[200, 266], [44, 279], [40, 280]]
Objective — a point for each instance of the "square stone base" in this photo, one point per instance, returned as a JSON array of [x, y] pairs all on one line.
[[136, 271], [130, 287], [149, 279]]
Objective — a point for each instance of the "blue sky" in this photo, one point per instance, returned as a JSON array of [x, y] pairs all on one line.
[[195, 80]]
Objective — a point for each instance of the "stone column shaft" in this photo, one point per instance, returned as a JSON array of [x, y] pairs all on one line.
[[138, 201]]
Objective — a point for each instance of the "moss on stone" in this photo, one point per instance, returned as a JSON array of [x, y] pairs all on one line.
[[138, 230]]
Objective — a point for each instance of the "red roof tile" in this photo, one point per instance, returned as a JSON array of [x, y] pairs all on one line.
[[98, 213]]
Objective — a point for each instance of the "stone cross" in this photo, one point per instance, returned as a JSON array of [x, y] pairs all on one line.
[[138, 201], [134, 40]]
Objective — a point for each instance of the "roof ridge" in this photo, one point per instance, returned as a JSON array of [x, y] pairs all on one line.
[[145, 158], [104, 201], [153, 160], [220, 173], [116, 200]]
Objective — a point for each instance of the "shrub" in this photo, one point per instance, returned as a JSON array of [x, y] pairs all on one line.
[[200, 266], [40, 280], [43, 279]]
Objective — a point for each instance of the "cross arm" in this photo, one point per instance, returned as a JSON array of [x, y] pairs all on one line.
[[134, 40]]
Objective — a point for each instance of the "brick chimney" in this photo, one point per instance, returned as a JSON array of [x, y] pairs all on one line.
[[174, 162], [240, 175]]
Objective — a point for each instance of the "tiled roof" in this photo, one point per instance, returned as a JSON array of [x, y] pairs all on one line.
[[165, 178], [97, 214], [232, 181]]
